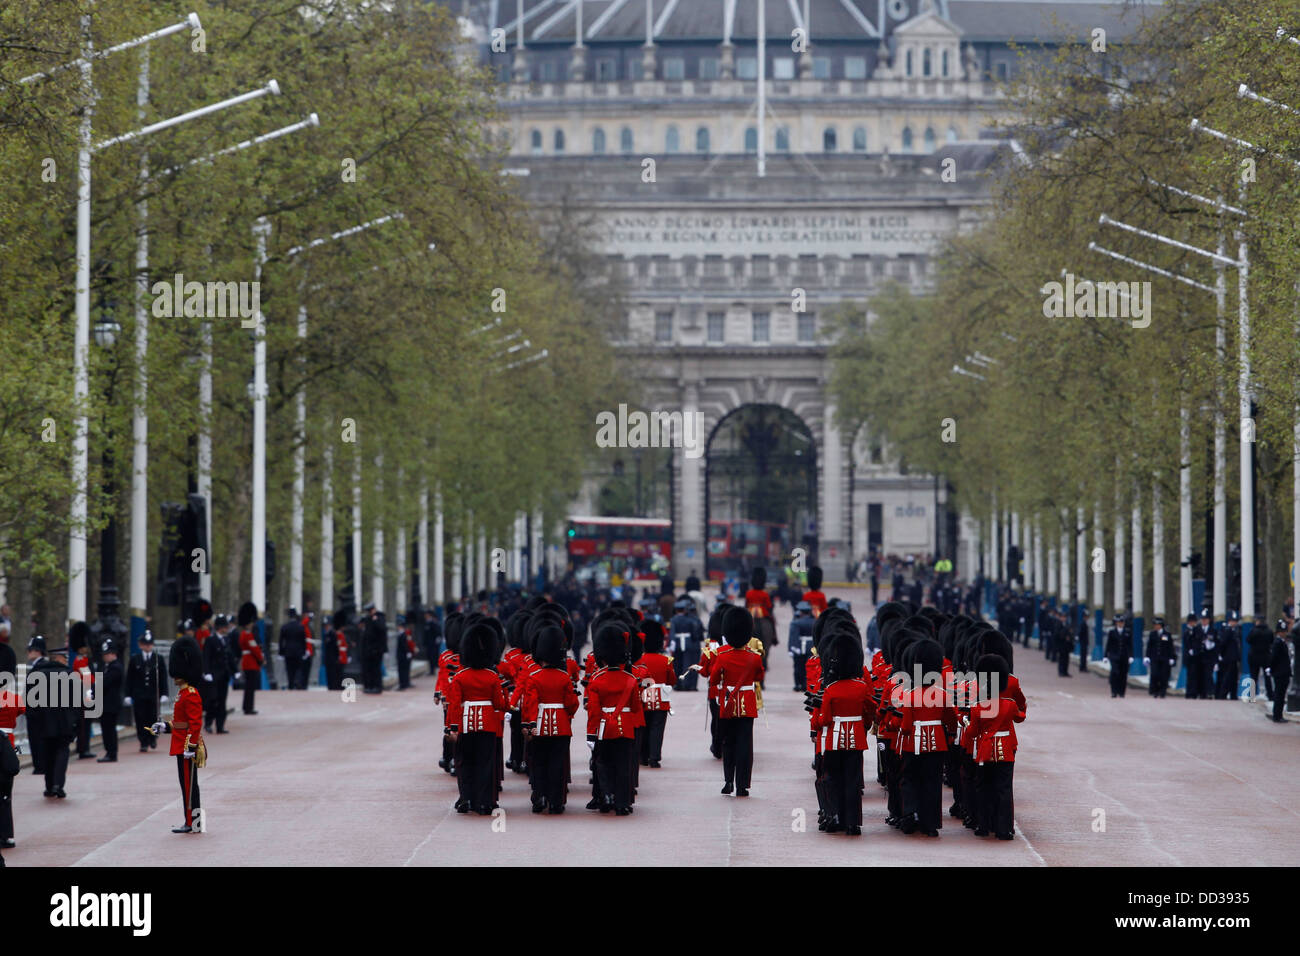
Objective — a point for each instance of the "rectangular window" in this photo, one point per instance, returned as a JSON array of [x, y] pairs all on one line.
[[1002, 71], [674, 68], [821, 68], [762, 327], [663, 326], [747, 68], [709, 68], [783, 68], [548, 71], [717, 326], [606, 70], [634, 71], [714, 266], [855, 68], [761, 267], [807, 327]]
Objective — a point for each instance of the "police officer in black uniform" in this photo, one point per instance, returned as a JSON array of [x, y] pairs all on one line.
[[1193, 648], [293, 648], [1119, 651], [54, 705], [109, 686], [800, 642], [216, 674], [1229, 658], [1085, 632], [1279, 669], [686, 637], [1209, 634], [1160, 657], [374, 642], [146, 683], [1064, 638]]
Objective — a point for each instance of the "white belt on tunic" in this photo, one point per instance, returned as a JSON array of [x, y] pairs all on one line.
[[839, 729], [6, 730], [472, 703], [600, 731], [916, 738], [541, 715]]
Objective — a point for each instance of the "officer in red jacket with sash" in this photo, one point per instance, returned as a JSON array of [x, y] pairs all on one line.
[[250, 654], [758, 602], [656, 697], [186, 728], [737, 674]]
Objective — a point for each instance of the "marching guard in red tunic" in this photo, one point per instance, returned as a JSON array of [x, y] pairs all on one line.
[[185, 665], [814, 595], [927, 717], [448, 664], [612, 702], [656, 697], [992, 728], [737, 675], [475, 708], [548, 706]]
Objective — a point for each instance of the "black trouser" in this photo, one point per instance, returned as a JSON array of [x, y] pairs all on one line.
[[1063, 663], [737, 750], [371, 674], [54, 754], [800, 666], [843, 786], [972, 797], [403, 672], [1083, 658], [548, 769], [1280, 684], [1207, 676], [614, 761], [84, 726], [893, 781], [1119, 676], [715, 740], [634, 756], [996, 804], [517, 761], [333, 673], [1050, 647], [922, 788], [652, 741], [108, 727], [476, 770], [1159, 680], [146, 715], [188, 776], [1193, 665], [682, 662], [819, 783], [214, 707], [1228, 674], [8, 760], [252, 680]]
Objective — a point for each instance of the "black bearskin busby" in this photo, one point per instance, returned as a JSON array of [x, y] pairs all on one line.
[[652, 637], [452, 630], [79, 635], [843, 657], [478, 646], [548, 649], [998, 669], [814, 578], [186, 661], [758, 578], [737, 627], [247, 614], [610, 644]]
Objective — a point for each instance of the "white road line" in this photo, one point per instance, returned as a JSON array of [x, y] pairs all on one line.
[[1037, 856], [170, 805]]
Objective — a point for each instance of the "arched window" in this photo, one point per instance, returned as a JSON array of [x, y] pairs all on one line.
[[751, 140], [535, 140], [672, 140], [943, 62], [952, 134], [830, 140], [907, 61], [907, 139], [702, 139], [783, 139], [625, 139], [559, 140], [859, 139], [598, 141], [925, 62], [928, 140]]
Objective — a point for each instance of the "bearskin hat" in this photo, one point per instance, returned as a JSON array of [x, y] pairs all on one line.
[[927, 654], [997, 665], [536, 601], [758, 578], [500, 631], [737, 627], [79, 635], [340, 619], [653, 636], [478, 646], [844, 656], [636, 643], [247, 614], [610, 644], [202, 610], [995, 642], [185, 661], [516, 626], [814, 578], [715, 622], [548, 649], [452, 630]]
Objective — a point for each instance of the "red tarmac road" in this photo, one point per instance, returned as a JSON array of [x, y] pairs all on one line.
[[314, 780]]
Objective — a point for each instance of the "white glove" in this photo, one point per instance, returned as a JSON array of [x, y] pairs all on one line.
[[90, 695], [1146, 662], [306, 656], [208, 678], [162, 699], [507, 718], [591, 746], [127, 701], [158, 728], [1130, 660], [1172, 662], [188, 755], [1268, 672]]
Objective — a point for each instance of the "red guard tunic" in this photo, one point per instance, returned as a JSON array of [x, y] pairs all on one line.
[[343, 649], [475, 702], [589, 669], [642, 679], [818, 601], [846, 713], [187, 720], [573, 669], [306, 627], [448, 662], [736, 674], [550, 703], [992, 727], [250, 652], [201, 635], [525, 668], [11, 708], [758, 602], [660, 669], [927, 714], [81, 667], [708, 658], [1015, 693], [613, 705]]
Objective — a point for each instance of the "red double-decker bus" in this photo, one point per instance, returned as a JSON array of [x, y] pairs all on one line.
[[618, 543], [733, 544]]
